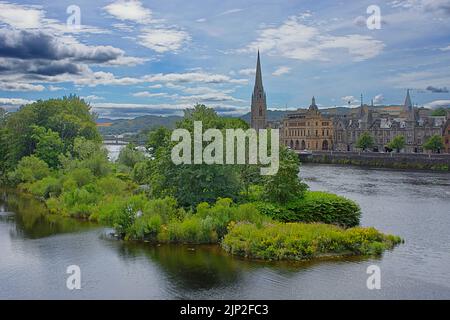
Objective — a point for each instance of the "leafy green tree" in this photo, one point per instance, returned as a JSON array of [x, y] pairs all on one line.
[[130, 156], [365, 141], [397, 143], [435, 143], [440, 112], [2, 116], [157, 138], [30, 169], [285, 186], [48, 145], [69, 117]]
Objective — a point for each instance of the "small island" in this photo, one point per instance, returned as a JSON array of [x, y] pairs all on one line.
[[52, 150]]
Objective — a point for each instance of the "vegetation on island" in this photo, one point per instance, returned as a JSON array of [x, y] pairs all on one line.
[[52, 150]]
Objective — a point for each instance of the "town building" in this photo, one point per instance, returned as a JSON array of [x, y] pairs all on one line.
[[307, 129], [446, 134], [415, 124]]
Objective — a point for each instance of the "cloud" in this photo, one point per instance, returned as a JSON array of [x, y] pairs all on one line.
[[162, 40], [131, 10], [199, 77], [280, 71], [147, 94], [54, 88], [445, 48], [92, 97], [295, 40], [437, 104], [18, 16], [247, 72], [200, 20], [437, 90], [21, 44], [231, 11], [350, 100], [378, 99], [17, 86], [5, 102], [441, 7], [435, 77]]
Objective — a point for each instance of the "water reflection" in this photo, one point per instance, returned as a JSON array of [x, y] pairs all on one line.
[[32, 219]]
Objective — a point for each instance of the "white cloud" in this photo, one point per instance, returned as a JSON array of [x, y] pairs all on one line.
[[162, 40], [18, 86], [378, 99], [54, 88], [25, 17], [437, 104], [350, 100], [281, 70], [147, 94], [131, 10], [200, 77], [295, 40], [200, 20], [231, 11], [92, 97], [156, 86], [14, 101], [247, 72], [445, 48]]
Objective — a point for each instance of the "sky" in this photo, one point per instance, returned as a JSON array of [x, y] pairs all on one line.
[[129, 58]]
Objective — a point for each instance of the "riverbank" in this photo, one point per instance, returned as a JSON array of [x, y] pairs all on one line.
[[432, 162]]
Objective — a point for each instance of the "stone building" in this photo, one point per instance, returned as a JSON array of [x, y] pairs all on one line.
[[416, 125], [307, 129], [259, 105], [446, 134]]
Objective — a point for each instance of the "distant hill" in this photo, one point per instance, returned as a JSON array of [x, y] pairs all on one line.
[[135, 125]]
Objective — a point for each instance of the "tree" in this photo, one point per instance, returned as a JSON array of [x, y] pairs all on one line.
[[434, 143], [397, 143], [48, 145], [365, 141], [2, 116], [129, 156], [285, 186], [68, 117], [440, 111], [157, 138], [30, 169]]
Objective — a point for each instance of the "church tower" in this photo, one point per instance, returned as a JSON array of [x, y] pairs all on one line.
[[259, 106]]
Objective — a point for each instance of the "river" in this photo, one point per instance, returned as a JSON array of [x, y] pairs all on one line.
[[36, 249]]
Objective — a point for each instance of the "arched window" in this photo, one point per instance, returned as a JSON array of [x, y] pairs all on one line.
[[260, 111]]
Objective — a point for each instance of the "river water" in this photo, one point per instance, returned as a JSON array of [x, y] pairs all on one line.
[[36, 249]]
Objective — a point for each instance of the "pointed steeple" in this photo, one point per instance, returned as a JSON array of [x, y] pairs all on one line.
[[258, 78], [259, 106], [408, 105]]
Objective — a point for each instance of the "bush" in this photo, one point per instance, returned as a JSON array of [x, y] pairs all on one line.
[[315, 206], [30, 169], [299, 241], [45, 188]]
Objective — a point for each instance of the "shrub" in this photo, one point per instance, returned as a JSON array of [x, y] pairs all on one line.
[[81, 176], [46, 187], [299, 241], [30, 169], [315, 206]]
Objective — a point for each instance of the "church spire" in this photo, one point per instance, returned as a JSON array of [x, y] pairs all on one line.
[[408, 105], [258, 78], [259, 106]]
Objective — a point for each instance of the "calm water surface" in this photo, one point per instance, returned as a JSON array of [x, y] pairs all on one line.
[[35, 250]]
